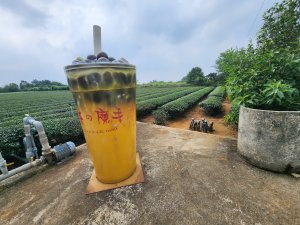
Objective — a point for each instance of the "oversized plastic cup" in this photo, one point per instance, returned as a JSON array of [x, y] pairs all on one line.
[[105, 97]]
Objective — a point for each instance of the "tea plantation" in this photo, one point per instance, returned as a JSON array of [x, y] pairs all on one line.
[[57, 111]]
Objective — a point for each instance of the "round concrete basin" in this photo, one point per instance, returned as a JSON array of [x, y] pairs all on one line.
[[270, 139]]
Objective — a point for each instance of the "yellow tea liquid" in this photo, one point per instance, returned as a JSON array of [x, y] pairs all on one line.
[[105, 99]]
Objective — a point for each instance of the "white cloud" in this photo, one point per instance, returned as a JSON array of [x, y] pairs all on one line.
[[165, 39]]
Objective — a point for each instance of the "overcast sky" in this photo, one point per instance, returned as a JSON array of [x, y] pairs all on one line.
[[163, 38]]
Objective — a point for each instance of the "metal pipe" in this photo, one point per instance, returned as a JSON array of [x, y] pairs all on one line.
[[34, 148], [58, 153], [28, 142], [21, 169], [46, 148]]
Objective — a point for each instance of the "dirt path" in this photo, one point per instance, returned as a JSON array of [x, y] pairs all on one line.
[[184, 122]]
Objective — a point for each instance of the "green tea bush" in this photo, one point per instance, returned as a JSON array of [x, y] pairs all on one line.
[[233, 117], [57, 111], [212, 105], [218, 92], [147, 106], [160, 117], [57, 130], [159, 93], [179, 106]]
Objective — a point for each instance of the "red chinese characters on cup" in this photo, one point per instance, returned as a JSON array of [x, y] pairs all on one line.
[[80, 116], [102, 116], [117, 115], [89, 117]]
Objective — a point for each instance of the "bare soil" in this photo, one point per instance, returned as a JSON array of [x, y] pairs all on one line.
[[184, 122]]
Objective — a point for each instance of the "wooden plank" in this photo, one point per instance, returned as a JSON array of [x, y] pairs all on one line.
[[137, 177]]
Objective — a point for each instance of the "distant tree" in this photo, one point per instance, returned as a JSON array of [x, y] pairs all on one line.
[[184, 79], [45, 82], [265, 75], [211, 78], [12, 87], [196, 77], [215, 79], [35, 82], [24, 85], [57, 83], [281, 28], [35, 85]]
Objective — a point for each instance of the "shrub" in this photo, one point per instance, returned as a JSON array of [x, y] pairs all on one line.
[[212, 105], [57, 130], [218, 91], [146, 107], [265, 75], [233, 117], [160, 117], [159, 93], [180, 105]]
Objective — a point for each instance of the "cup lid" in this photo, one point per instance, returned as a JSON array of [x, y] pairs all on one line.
[[98, 65]]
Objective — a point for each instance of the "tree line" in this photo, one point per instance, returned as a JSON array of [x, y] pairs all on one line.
[[196, 77], [35, 85], [266, 73]]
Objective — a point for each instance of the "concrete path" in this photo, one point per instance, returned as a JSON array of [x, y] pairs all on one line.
[[191, 178]]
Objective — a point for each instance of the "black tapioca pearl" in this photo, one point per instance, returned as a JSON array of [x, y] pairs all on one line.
[[101, 97], [72, 84], [110, 98], [131, 94], [128, 79], [91, 57], [102, 54], [107, 79], [98, 97], [69, 82], [121, 94], [133, 78], [93, 79], [83, 82], [76, 99], [79, 98], [88, 97], [120, 78], [124, 95]]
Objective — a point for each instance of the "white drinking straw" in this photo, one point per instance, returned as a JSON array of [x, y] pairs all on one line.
[[97, 39]]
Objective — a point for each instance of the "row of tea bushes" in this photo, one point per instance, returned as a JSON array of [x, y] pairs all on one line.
[[179, 106], [159, 93], [147, 106], [57, 111], [212, 105]]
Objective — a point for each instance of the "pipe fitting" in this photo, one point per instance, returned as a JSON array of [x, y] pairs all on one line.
[[46, 148]]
